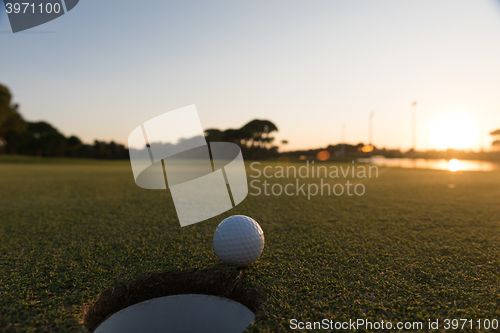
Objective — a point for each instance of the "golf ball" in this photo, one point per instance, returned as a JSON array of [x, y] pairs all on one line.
[[238, 240]]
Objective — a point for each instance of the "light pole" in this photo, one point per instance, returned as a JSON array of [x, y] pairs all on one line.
[[370, 129], [414, 123]]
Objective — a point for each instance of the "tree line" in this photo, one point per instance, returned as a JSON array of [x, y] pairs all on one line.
[[18, 136]]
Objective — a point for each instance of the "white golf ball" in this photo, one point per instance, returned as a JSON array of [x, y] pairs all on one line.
[[238, 240]]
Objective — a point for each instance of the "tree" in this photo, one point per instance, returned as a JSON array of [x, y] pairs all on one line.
[[213, 135], [41, 139], [238, 136], [230, 135], [258, 132], [254, 138], [10, 119], [74, 145]]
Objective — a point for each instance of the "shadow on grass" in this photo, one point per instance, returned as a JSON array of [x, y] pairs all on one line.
[[223, 282]]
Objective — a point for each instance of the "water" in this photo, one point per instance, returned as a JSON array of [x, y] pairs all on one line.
[[452, 165]]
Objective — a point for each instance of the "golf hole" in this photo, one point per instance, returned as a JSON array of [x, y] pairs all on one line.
[[180, 313], [193, 301]]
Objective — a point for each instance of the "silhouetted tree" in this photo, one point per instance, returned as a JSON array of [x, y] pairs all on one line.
[[41, 139], [238, 136], [253, 138], [11, 122], [213, 135], [74, 145], [258, 131]]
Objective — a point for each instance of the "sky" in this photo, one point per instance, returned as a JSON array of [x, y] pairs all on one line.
[[310, 67]]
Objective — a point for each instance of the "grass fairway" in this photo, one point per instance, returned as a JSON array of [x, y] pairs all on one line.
[[410, 249]]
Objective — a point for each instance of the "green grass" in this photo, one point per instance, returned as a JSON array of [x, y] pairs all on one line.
[[410, 249]]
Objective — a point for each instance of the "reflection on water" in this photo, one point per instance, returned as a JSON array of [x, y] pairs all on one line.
[[452, 165]]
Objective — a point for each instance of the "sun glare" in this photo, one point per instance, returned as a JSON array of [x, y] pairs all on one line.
[[454, 165], [456, 131]]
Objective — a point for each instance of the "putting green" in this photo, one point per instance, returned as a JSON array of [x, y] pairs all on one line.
[[411, 248]]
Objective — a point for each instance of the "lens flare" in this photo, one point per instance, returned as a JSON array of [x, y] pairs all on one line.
[[367, 149], [323, 155]]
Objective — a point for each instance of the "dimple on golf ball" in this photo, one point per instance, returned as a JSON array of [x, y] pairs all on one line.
[[238, 240]]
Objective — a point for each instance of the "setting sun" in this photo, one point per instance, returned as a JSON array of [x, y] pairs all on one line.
[[455, 130], [454, 165]]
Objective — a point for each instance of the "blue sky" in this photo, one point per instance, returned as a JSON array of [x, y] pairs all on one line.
[[309, 66]]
